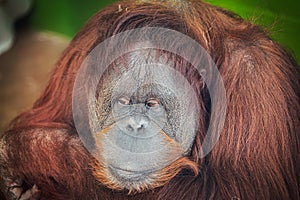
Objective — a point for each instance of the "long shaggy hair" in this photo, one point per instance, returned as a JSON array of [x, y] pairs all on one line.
[[258, 153]]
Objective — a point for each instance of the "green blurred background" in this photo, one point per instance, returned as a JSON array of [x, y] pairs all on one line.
[[281, 18]]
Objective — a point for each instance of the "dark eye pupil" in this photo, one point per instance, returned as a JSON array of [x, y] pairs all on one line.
[[152, 103]]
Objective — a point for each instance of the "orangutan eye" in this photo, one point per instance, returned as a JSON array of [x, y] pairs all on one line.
[[152, 103], [124, 100]]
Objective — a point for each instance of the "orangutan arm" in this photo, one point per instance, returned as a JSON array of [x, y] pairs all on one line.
[[45, 163]]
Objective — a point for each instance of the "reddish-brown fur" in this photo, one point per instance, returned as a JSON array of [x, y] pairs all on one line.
[[257, 155]]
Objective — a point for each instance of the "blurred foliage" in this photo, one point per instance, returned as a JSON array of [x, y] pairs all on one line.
[[64, 16], [280, 18]]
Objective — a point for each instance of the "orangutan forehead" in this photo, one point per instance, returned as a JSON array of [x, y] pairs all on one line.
[[151, 79], [147, 65]]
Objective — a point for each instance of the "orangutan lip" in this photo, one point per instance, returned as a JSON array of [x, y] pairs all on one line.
[[128, 174], [125, 170]]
